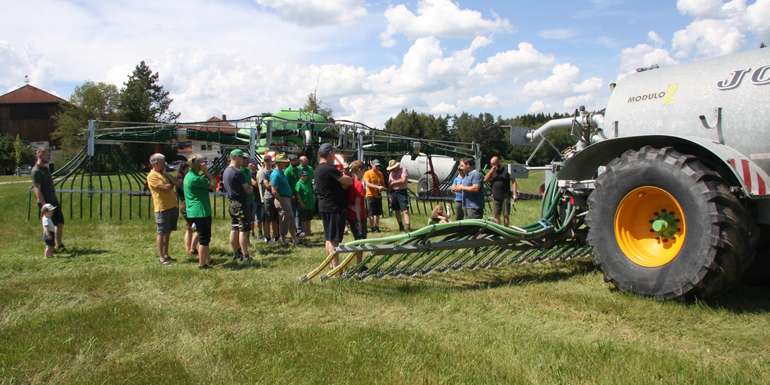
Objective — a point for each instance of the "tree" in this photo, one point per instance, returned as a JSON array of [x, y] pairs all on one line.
[[418, 125], [483, 130], [143, 98], [89, 101], [313, 104], [18, 149]]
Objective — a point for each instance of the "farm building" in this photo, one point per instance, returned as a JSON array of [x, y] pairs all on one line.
[[29, 112]]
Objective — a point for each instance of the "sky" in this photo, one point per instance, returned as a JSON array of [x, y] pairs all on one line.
[[368, 59]]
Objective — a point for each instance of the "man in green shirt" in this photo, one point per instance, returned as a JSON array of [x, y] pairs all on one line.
[[292, 174], [304, 165], [197, 184], [306, 200]]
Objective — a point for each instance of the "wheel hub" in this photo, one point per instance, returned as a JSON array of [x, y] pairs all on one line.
[[649, 226]]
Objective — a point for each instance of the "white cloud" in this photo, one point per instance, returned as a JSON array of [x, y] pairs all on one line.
[[537, 106], [561, 81], [708, 37], [758, 18], [644, 55], [483, 101], [18, 63], [573, 102], [589, 85], [699, 8], [557, 34], [525, 58], [438, 18], [444, 108], [317, 12]]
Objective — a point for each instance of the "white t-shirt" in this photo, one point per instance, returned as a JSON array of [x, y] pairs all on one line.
[[48, 224]]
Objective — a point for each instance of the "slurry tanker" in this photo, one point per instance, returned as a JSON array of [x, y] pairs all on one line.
[[674, 174], [667, 188]]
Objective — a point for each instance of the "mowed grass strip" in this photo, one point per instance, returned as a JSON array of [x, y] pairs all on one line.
[[107, 312]]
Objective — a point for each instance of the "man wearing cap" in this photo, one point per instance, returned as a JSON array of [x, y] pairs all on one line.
[[283, 194], [330, 186], [237, 189], [306, 201], [398, 180], [304, 166], [164, 202], [197, 183], [269, 213], [43, 188], [375, 183]]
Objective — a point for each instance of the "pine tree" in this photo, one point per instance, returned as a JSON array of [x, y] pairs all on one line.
[[313, 104], [143, 98]]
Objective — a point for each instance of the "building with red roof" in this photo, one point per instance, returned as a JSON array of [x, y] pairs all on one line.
[[29, 112]]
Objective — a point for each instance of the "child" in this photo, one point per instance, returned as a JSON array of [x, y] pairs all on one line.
[[438, 215], [306, 200], [49, 230]]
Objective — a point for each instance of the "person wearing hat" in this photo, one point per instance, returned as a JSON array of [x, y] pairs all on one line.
[[330, 186], [398, 180], [269, 213], [237, 189], [165, 205], [49, 229], [305, 201], [283, 194], [375, 183]]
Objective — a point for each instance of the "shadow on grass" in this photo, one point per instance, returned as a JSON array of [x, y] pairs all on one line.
[[74, 252], [745, 299]]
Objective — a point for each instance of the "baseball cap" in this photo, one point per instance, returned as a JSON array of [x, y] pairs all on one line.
[[237, 153], [281, 158], [325, 149], [376, 162]]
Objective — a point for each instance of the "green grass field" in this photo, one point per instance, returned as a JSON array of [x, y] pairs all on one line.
[[107, 312]]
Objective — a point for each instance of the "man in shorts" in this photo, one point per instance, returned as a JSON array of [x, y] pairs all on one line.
[[503, 190], [472, 189], [164, 202], [330, 186], [269, 212], [43, 188], [398, 180], [283, 195], [237, 189], [375, 183]]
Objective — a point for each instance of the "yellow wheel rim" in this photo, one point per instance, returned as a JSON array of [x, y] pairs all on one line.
[[650, 226]]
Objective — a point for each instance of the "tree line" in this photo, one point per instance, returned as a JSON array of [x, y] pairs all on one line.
[[491, 132]]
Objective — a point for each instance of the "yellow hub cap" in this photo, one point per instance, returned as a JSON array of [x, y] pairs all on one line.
[[650, 226]]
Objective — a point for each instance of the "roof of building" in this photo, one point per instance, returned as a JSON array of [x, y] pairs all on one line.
[[213, 124], [29, 94]]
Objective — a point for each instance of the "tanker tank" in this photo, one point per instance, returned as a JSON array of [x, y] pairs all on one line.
[[670, 101], [442, 166]]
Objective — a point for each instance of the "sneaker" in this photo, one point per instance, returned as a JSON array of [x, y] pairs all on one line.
[[171, 259], [237, 255], [165, 261], [204, 267], [60, 248], [246, 258]]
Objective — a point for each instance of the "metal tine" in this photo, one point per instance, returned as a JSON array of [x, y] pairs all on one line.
[[475, 255], [514, 254], [358, 267], [473, 264], [526, 257], [392, 266], [494, 258], [405, 266], [374, 269], [547, 254], [406, 270], [417, 270]]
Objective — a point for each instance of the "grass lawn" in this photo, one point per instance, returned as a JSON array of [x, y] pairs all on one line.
[[107, 312]]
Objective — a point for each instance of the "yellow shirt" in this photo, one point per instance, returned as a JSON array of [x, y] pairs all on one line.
[[375, 177], [162, 200]]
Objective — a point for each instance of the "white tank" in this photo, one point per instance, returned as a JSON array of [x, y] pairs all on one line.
[[670, 100], [442, 166]]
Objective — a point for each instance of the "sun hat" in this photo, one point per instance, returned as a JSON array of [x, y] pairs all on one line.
[[393, 164]]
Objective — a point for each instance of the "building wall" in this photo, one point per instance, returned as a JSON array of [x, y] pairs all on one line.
[[34, 122]]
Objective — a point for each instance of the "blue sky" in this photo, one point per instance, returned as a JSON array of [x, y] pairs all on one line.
[[369, 59]]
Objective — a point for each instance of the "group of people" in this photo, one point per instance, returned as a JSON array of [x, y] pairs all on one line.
[[280, 198], [468, 187]]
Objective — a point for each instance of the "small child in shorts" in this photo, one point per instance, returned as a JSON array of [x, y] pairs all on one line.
[[438, 216], [49, 229]]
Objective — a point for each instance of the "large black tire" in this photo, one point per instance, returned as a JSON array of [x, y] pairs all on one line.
[[720, 240]]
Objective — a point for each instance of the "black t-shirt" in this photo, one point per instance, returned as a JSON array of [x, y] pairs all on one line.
[[41, 176], [331, 196], [233, 181], [501, 184]]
